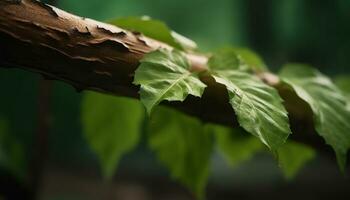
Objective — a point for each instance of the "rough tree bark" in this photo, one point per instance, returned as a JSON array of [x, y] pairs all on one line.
[[93, 55]]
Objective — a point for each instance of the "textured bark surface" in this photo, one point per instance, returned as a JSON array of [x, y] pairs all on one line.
[[92, 55]]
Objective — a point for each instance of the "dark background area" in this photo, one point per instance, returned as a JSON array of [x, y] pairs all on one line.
[[281, 31]]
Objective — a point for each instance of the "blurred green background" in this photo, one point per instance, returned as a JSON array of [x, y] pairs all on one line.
[[281, 31]]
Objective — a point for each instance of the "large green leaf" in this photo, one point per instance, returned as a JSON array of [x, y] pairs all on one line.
[[166, 75], [258, 107], [111, 126], [328, 104], [155, 29], [293, 156], [235, 145], [182, 145]]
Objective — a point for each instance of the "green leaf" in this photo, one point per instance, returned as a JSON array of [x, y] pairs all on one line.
[[258, 107], [235, 145], [251, 59], [237, 58], [12, 154], [182, 145], [166, 75], [155, 29], [343, 83], [293, 156], [111, 126], [226, 58], [328, 104]]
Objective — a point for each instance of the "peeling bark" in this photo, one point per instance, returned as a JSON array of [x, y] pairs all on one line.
[[91, 55]]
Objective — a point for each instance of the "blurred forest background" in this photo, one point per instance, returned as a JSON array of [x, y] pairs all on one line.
[[309, 31]]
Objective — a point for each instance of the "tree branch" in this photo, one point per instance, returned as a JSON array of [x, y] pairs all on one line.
[[96, 56]]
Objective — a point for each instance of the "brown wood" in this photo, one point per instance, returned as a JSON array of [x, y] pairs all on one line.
[[91, 55]]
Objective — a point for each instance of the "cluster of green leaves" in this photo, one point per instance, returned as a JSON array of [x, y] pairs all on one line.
[[113, 125], [183, 144]]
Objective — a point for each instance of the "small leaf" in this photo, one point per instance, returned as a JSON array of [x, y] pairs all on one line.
[[293, 156], [235, 145], [182, 145], [244, 59], [328, 104], [258, 107], [166, 75], [251, 59], [155, 29], [225, 58], [111, 126]]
